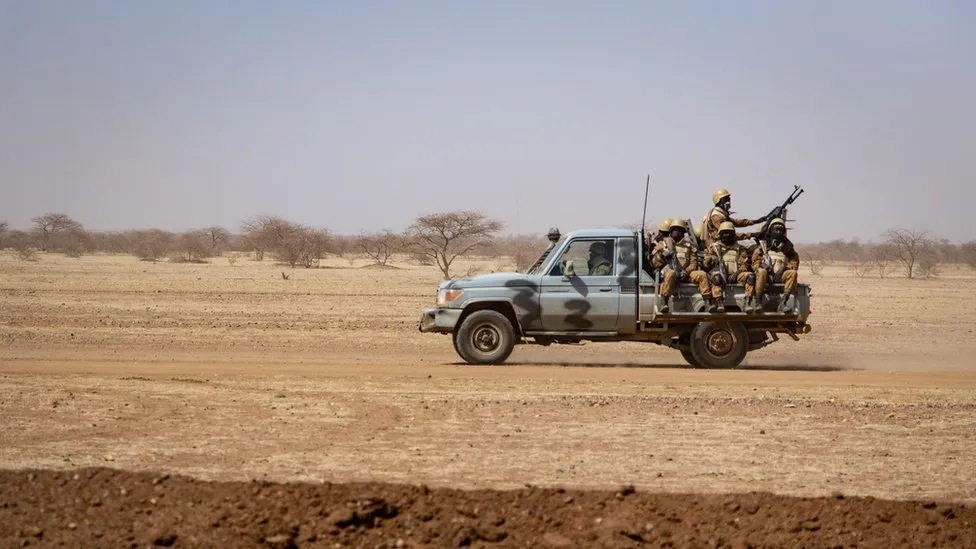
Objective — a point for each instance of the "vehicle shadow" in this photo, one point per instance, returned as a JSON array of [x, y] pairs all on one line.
[[676, 366]]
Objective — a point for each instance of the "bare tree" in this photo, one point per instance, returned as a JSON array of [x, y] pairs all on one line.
[[861, 265], [444, 237], [218, 239], [193, 246], [50, 224], [259, 233], [3, 234], [380, 246], [882, 255], [151, 244], [23, 244], [913, 248]]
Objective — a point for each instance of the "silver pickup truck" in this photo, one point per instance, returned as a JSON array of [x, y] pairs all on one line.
[[557, 301]]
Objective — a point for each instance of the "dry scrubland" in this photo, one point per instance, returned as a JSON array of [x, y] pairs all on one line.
[[233, 373]]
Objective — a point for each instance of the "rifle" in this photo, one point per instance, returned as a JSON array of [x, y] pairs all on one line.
[[778, 211], [768, 262], [699, 255], [721, 264]]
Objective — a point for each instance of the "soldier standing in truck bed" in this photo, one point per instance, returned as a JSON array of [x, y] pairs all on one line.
[[737, 268], [775, 260], [675, 248], [722, 201]]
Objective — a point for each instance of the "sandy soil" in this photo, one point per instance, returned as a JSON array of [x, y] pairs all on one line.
[[232, 373]]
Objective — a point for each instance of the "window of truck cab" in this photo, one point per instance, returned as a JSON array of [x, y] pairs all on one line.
[[578, 251]]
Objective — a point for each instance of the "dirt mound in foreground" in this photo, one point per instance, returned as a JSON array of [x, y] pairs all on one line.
[[109, 508]]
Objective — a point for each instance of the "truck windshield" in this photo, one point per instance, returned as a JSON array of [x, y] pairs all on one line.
[[542, 258]]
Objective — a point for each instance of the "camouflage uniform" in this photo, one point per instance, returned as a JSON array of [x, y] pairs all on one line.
[[687, 263], [598, 263], [784, 264], [738, 266], [708, 232]]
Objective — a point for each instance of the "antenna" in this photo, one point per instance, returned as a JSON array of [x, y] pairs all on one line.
[[647, 187]]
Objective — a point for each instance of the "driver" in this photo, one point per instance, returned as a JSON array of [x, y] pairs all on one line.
[[598, 263]]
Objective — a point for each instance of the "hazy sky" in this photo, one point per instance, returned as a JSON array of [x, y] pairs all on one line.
[[363, 115]]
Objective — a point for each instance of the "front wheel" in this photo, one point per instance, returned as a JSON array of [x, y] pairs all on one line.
[[485, 337], [719, 344]]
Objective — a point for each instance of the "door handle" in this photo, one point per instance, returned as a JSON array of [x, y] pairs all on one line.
[[605, 289]]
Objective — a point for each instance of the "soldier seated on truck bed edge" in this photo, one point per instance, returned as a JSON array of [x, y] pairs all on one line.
[[776, 259], [677, 249], [735, 259]]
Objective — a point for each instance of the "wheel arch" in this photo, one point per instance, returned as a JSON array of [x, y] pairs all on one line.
[[502, 306]]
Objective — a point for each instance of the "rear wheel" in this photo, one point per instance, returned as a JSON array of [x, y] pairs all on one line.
[[719, 344], [690, 358], [485, 337]]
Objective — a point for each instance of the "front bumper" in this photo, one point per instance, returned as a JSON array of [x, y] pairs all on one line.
[[441, 320]]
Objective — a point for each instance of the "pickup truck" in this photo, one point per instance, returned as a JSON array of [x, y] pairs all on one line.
[[557, 301]]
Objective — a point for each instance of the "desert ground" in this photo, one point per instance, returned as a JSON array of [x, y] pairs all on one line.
[[223, 405]]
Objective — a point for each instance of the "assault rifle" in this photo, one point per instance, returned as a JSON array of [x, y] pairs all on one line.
[[721, 264], [699, 253], [778, 211]]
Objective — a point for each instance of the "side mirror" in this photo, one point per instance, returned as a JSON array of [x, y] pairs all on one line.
[[569, 271]]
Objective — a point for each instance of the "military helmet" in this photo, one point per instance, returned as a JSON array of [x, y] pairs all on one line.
[[719, 194], [726, 226], [665, 225], [679, 224], [777, 221], [598, 247]]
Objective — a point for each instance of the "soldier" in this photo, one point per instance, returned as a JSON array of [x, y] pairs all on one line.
[[598, 263], [676, 251], [734, 257], [663, 229], [719, 214], [776, 259]]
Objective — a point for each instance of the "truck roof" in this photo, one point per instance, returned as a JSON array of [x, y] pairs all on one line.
[[610, 232]]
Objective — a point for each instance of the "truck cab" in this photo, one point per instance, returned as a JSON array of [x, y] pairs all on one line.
[[596, 285]]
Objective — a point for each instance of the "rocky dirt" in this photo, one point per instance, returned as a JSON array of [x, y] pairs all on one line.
[[109, 508], [224, 406]]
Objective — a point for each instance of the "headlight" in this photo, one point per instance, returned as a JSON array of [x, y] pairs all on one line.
[[448, 295]]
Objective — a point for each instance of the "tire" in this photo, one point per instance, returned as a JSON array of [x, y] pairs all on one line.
[[689, 358], [485, 337], [719, 344]]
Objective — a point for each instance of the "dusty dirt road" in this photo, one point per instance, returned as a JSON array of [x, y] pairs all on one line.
[[231, 374]]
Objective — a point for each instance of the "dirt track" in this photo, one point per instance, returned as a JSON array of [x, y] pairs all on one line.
[[226, 373]]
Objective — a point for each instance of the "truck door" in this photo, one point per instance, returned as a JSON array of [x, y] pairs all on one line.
[[589, 300]]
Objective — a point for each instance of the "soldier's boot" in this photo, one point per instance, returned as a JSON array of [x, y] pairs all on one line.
[[711, 302], [784, 304], [719, 305], [750, 305], [662, 304]]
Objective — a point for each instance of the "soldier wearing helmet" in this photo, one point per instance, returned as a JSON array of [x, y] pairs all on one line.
[[720, 213], [663, 229], [599, 263], [776, 260], [728, 263], [677, 261]]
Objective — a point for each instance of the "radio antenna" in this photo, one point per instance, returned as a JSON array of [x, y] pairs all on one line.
[[647, 187]]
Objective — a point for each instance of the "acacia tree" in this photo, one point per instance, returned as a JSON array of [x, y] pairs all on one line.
[[380, 246], [444, 237], [49, 225], [914, 249], [218, 239]]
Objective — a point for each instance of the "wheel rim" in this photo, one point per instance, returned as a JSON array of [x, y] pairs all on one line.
[[720, 342], [486, 338]]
